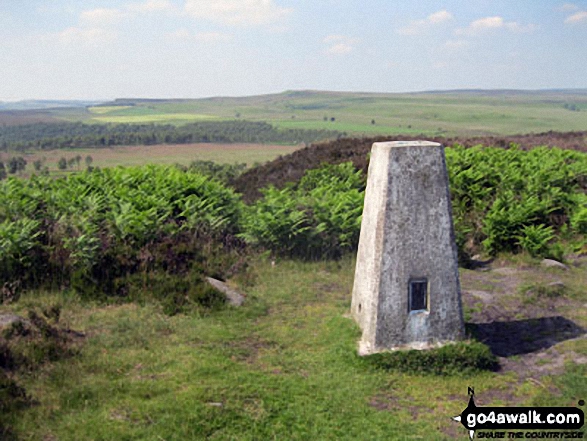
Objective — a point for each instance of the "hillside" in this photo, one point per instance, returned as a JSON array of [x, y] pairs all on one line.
[[434, 113], [290, 168]]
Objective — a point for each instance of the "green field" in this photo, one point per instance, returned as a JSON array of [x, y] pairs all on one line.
[[142, 115], [449, 113]]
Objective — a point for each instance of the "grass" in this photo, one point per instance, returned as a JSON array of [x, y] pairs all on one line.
[[284, 366], [161, 154], [101, 110], [160, 118], [452, 113]]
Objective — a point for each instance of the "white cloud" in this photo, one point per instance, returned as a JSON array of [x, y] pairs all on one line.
[[568, 7], [418, 26], [456, 44], [237, 12], [578, 17], [492, 23], [205, 37], [212, 37], [152, 6], [93, 36], [180, 34], [339, 49], [339, 44], [439, 17], [101, 16]]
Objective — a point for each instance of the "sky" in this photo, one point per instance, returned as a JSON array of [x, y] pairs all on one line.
[[106, 49]]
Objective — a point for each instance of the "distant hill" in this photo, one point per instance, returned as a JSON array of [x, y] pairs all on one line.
[[423, 114], [45, 104]]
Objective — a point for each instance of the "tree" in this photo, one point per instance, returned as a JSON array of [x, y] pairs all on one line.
[[2, 171], [62, 164], [38, 164], [16, 164], [12, 165], [89, 160], [78, 159]]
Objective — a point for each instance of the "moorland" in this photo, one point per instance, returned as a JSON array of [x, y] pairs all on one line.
[[109, 329]]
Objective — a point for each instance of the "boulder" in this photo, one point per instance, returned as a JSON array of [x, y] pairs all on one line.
[[549, 263]]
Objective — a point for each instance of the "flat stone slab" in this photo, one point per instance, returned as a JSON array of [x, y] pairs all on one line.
[[234, 297]]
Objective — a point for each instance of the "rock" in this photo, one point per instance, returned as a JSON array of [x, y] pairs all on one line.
[[234, 297], [549, 263], [8, 319]]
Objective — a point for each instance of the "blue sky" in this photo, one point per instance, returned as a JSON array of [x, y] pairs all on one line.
[[66, 49]]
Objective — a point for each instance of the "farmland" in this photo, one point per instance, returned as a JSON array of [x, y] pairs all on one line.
[[466, 113], [463, 113], [182, 154]]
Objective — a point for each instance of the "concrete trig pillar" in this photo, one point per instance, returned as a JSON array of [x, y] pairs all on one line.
[[406, 292]]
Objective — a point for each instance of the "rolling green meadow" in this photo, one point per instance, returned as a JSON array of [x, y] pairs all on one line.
[[464, 114], [120, 338]]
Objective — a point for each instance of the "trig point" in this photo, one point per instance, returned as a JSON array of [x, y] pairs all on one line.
[[406, 293]]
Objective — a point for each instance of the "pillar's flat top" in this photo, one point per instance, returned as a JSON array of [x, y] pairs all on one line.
[[395, 144]]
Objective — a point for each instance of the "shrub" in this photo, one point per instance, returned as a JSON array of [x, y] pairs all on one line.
[[320, 217], [91, 228], [535, 240]]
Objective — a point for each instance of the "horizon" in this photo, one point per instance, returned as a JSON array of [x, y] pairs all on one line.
[[191, 49], [416, 92]]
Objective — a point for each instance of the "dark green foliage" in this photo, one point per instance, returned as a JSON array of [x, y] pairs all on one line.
[[503, 200], [16, 164], [320, 217], [62, 163], [458, 358], [225, 173], [91, 230], [2, 171], [49, 136], [511, 200], [292, 167], [579, 218]]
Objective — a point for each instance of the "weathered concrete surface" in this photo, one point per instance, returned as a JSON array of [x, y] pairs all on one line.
[[406, 234]]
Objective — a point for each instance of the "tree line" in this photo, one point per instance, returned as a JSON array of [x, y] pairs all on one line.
[[48, 136]]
